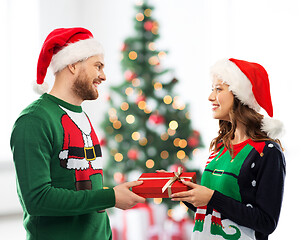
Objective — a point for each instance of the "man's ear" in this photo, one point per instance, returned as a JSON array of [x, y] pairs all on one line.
[[72, 68]]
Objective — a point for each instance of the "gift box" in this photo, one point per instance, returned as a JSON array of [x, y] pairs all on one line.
[[163, 184]]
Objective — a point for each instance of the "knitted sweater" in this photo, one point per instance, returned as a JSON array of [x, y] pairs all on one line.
[[59, 175], [248, 192]]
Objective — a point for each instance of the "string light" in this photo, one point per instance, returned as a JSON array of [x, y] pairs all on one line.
[[117, 124], [113, 151], [154, 28], [195, 151], [164, 154], [173, 125], [170, 213], [129, 91], [153, 60], [187, 115], [174, 105], [118, 157], [139, 3], [164, 136], [113, 118], [167, 99], [183, 143], [124, 106], [148, 12], [118, 138], [132, 55], [135, 136], [171, 132], [135, 82], [180, 154], [112, 112], [158, 86], [150, 163], [182, 106], [177, 104], [157, 200], [147, 110], [143, 141], [176, 142], [151, 46], [162, 54], [140, 17], [142, 105], [130, 119]]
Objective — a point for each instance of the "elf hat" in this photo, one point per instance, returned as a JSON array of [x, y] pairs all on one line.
[[249, 82], [64, 46]]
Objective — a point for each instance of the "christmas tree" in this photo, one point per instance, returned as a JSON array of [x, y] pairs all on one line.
[[148, 127]]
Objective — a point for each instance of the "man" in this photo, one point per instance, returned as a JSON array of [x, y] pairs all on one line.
[[56, 151]]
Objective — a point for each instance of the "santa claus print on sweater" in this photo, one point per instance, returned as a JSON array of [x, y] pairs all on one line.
[[81, 150]]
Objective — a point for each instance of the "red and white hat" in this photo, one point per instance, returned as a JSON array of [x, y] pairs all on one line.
[[249, 82], [64, 46]]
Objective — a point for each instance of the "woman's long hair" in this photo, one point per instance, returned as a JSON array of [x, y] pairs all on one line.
[[251, 119]]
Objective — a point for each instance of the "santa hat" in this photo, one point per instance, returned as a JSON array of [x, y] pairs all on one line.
[[249, 82], [64, 46]]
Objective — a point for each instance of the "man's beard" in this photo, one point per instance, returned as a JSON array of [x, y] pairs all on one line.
[[83, 88]]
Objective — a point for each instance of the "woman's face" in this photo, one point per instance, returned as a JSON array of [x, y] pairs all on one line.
[[221, 99]]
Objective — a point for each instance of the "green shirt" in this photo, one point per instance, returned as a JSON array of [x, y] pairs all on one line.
[[50, 165]]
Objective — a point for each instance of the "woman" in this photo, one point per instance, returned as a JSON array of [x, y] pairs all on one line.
[[241, 190]]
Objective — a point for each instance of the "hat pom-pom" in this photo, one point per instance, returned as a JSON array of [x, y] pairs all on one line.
[[273, 127], [41, 88]]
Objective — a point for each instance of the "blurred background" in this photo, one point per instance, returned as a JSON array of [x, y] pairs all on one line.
[[196, 33]]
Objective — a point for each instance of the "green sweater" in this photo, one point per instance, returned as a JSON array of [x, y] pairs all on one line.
[[248, 194], [59, 175]]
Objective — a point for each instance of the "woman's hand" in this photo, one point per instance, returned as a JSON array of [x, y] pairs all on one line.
[[197, 196]]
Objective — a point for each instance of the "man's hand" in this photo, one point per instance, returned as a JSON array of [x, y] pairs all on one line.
[[126, 199], [197, 196]]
